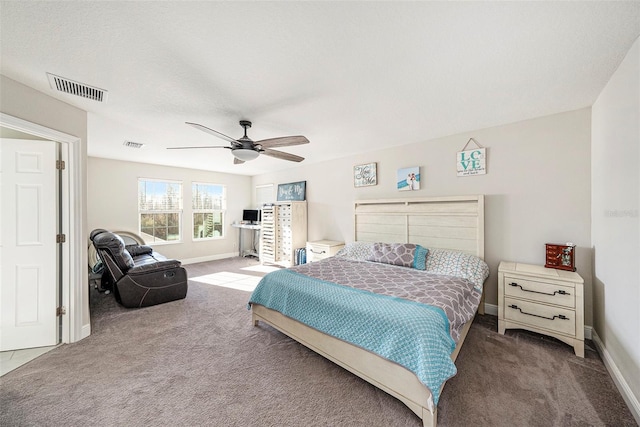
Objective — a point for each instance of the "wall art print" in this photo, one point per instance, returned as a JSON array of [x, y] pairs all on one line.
[[471, 162], [292, 191], [408, 179], [364, 175]]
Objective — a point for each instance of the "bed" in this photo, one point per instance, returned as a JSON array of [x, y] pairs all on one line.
[[445, 227]]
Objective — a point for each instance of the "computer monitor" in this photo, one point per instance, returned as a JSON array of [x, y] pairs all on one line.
[[251, 215]]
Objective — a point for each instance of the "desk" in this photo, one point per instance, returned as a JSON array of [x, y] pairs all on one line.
[[255, 231]]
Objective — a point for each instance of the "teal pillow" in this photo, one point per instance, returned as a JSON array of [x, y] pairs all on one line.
[[420, 258]]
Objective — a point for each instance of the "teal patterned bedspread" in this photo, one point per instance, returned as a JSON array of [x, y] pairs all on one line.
[[412, 334]]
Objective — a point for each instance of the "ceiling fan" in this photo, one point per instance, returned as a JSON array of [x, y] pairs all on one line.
[[245, 149]]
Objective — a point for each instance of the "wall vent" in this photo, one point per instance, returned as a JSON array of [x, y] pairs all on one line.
[[133, 144], [76, 88]]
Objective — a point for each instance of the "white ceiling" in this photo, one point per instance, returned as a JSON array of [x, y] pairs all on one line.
[[350, 76]]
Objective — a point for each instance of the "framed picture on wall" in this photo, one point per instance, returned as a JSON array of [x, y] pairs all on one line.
[[408, 179], [472, 162], [365, 175], [292, 191]]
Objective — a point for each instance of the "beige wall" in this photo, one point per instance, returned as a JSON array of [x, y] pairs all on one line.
[[113, 203], [537, 188], [31, 105], [616, 221]]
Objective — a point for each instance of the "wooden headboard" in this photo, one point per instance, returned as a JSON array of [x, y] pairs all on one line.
[[455, 222]]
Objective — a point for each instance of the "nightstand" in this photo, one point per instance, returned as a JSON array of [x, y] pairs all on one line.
[[321, 249], [542, 300]]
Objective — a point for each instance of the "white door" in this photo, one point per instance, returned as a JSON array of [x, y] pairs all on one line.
[[28, 252]]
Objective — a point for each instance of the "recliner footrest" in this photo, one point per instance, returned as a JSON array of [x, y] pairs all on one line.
[[158, 287]]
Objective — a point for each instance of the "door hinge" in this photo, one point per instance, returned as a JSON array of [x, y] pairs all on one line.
[[60, 165], [61, 238], [61, 311]]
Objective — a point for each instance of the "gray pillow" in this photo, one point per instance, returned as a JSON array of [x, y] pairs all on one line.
[[393, 253]]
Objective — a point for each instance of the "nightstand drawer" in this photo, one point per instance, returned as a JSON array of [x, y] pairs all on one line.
[[322, 249], [549, 293], [541, 316]]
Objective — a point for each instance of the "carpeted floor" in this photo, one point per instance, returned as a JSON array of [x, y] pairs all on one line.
[[200, 362]]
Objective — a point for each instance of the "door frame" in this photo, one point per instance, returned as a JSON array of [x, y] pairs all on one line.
[[71, 203]]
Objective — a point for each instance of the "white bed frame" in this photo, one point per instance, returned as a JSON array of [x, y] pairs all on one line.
[[455, 223]]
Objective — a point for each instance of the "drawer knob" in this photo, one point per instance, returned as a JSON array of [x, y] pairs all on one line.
[[559, 292], [559, 316]]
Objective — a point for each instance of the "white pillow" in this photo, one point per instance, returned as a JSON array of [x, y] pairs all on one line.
[[459, 264], [357, 251]]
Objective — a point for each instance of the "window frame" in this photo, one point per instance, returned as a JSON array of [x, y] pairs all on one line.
[[179, 211], [261, 190], [195, 210]]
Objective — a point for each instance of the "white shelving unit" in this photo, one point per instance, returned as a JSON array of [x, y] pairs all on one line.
[[284, 229]]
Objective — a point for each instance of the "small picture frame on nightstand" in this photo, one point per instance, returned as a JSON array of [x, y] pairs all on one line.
[[561, 257]]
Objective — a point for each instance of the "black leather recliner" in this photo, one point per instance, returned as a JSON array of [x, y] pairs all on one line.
[[138, 276]]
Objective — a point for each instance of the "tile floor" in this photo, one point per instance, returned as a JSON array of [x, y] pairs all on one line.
[[10, 360]]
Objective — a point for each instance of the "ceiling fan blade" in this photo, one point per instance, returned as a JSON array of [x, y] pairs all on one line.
[[281, 155], [213, 132], [201, 146], [237, 161], [283, 141]]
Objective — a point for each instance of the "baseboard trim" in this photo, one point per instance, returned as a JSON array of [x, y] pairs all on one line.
[[490, 309], [618, 379], [209, 258], [85, 331]]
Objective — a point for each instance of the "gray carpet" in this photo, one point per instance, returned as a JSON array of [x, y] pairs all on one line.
[[200, 362]]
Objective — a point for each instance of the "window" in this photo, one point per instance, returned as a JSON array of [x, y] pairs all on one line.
[[264, 194], [209, 202], [160, 210]]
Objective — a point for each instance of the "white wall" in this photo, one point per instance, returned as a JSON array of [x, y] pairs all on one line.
[[31, 105], [615, 219], [537, 188], [113, 204]]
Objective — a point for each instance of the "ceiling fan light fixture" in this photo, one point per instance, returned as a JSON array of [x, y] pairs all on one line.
[[245, 154], [245, 149]]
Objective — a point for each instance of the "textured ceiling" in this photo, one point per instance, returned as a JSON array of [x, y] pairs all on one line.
[[350, 76]]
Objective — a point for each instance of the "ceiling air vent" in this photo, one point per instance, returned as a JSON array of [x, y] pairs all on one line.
[[133, 144], [76, 88]]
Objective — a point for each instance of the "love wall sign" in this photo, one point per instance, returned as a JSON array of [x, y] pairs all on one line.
[[472, 162]]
